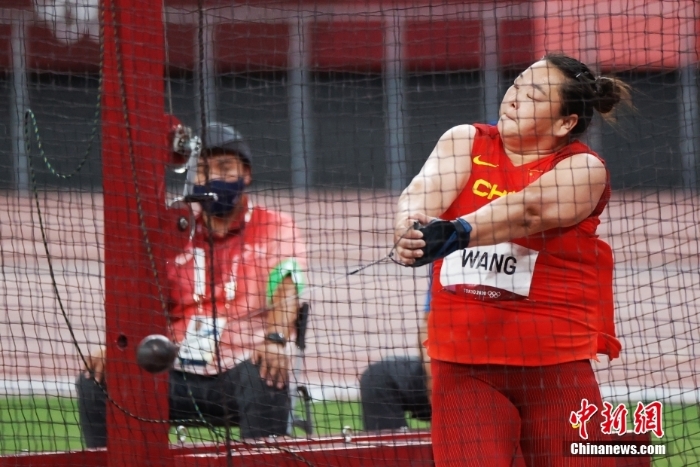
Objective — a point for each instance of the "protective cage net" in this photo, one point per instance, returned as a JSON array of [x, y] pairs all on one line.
[[340, 104]]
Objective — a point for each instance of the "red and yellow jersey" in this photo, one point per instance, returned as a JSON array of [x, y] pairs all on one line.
[[538, 300], [247, 266]]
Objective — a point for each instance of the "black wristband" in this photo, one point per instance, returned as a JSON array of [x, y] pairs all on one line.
[[277, 338], [442, 238]]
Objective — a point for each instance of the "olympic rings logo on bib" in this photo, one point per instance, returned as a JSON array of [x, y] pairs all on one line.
[[483, 293]]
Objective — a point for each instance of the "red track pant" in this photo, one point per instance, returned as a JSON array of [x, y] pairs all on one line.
[[508, 416]]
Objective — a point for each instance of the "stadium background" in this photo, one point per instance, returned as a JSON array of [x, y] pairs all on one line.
[[445, 51], [373, 107]]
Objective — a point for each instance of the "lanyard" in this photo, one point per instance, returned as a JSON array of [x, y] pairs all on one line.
[[230, 286], [200, 273], [200, 276]]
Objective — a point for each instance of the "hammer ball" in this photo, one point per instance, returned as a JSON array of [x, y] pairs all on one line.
[[156, 353]]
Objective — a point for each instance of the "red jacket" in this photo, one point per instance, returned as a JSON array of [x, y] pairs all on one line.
[[243, 267]]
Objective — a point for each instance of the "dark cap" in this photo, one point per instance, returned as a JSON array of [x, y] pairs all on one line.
[[224, 139]]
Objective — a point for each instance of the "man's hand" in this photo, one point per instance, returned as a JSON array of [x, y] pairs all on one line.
[[409, 241], [273, 361], [96, 364]]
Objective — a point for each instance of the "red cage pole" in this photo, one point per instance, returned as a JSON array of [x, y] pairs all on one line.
[[133, 155]]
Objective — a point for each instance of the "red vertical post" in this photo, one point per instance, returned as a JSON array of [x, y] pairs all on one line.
[[133, 156]]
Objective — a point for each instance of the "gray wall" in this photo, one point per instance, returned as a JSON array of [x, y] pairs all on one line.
[[64, 106], [5, 135], [642, 150]]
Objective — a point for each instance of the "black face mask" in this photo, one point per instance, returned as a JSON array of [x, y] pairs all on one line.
[[227, 194]]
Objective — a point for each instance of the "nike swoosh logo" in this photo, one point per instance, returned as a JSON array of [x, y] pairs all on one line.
[[477, 160]]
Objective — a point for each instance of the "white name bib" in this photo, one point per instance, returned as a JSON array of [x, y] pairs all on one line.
[[504, 267], [198, 348]]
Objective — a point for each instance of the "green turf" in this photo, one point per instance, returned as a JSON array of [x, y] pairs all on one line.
[[682, 437], [41, 423], [329, 418], [50, 423]]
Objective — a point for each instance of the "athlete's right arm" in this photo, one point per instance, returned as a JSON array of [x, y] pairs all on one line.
[[434, 189]]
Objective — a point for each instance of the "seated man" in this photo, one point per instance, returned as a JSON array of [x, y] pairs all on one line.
[[233, 359], [393, 386]]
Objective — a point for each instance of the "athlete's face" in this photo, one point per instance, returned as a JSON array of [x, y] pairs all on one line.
[[531, 108]]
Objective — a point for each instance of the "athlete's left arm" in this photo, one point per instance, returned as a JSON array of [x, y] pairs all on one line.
[[562, 197]]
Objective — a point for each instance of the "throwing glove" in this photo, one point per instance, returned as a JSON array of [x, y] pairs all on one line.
[[442, 238]]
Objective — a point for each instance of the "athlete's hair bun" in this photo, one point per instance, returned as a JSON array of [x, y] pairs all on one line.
[[608, 94], [582, 93]]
